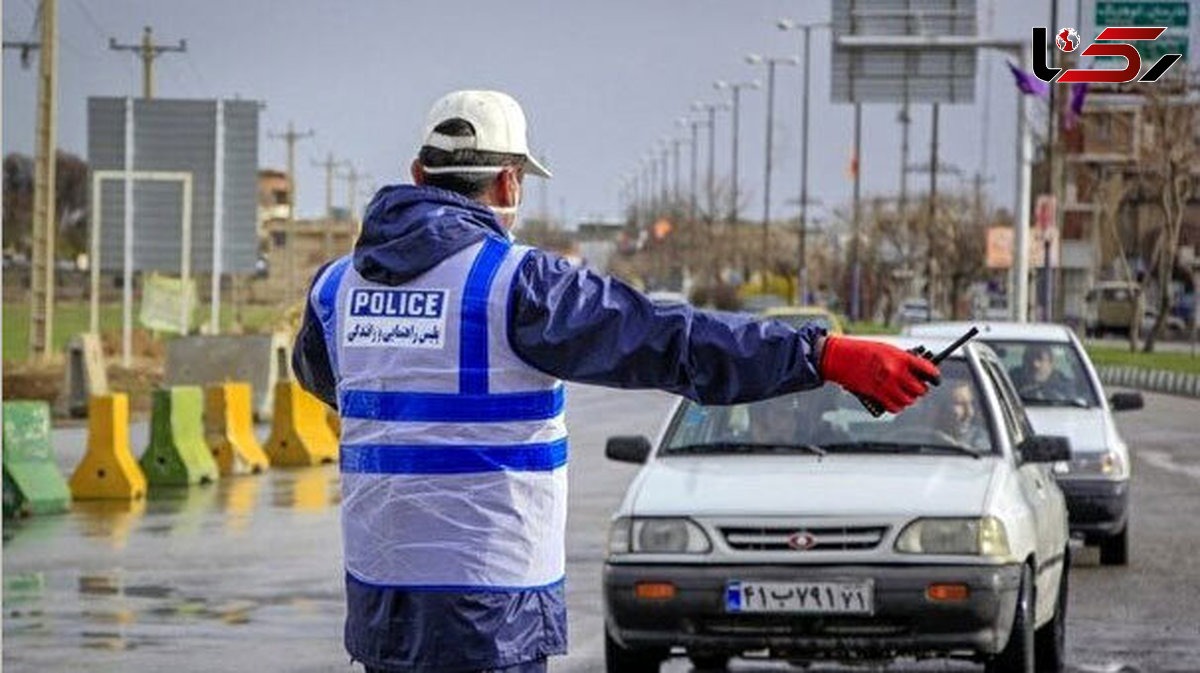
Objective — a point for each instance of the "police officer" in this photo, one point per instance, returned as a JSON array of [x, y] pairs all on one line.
[[444, 345]]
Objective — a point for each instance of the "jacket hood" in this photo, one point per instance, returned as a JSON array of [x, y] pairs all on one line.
[[409, 229]]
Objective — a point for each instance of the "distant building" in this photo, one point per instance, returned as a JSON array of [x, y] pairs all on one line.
[[1110, 138], [316, 242], [273, 196]]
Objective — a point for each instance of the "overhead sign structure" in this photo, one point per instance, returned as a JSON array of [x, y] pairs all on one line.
[[934, 74], [1179, 17], [178, 136], [181, 188]]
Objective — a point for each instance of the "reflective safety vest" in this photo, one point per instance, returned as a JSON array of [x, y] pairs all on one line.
[[453, 450]]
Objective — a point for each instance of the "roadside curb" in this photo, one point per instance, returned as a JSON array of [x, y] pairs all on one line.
[[1154, 380]]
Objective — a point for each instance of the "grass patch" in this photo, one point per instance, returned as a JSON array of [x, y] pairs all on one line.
[[1108, 356], [71, 318]]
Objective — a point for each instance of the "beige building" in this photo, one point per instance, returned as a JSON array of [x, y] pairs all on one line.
[[1112, 138]]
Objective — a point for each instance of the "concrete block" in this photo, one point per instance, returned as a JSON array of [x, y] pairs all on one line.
[[108, 471], [262, 360], [84, 376], [32, 482]]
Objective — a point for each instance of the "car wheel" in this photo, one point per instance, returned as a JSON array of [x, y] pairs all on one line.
[[1018, 655], [1051, 645], [619, 659], [709, 662], [1114, 550]]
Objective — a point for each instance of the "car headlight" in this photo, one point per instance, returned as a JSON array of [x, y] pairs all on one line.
[[978, 537], [1107, 464], [657, 536]]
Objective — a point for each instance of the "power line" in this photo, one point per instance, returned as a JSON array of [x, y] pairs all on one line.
[[92, 19]]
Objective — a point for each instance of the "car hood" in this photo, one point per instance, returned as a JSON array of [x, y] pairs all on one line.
[[1088, 429], [836, 485]]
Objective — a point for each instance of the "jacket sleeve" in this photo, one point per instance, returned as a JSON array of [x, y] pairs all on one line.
[[310, 355], [578, 325]]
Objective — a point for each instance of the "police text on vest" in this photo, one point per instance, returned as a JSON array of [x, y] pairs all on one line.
[[405, 318]]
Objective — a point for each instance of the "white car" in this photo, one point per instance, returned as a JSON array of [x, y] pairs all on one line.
[[803, 528], [1069, 401]]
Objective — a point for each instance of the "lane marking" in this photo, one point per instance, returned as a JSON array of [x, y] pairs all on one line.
[[1166, 462]]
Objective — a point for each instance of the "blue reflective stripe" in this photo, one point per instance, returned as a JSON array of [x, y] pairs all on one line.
[[473, 333], [451, 408], [453, 458], [326, 306], [459, 588]]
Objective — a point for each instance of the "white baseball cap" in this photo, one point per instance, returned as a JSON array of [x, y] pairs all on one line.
[[499, 127]]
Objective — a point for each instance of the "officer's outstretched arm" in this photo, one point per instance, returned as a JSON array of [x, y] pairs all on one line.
[[578, 325]]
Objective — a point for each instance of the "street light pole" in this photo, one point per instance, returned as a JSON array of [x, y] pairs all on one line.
[[802, 253], [770, 62], [735, 89], [711, 109]]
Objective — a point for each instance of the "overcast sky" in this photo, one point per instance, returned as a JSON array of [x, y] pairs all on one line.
[[600, 80]]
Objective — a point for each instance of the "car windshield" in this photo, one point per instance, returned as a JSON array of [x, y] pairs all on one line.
[[950, 419], [1046, 374]]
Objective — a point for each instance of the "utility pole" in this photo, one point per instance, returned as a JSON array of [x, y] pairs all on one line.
[[352, 177], [932, 225], [41, 323], [330, 165], [291, 136], [905, 121], [147, 51], [855, 273]]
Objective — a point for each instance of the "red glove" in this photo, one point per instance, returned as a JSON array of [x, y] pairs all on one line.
[[878, 371]]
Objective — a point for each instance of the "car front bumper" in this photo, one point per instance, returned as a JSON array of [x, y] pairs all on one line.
[[905, 621], [1096, 507]]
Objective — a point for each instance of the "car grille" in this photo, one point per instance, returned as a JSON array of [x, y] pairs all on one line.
[[785, 538]]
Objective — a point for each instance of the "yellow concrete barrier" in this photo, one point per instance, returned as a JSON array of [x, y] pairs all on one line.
[[230, 431], [108, 471], [300, 433]]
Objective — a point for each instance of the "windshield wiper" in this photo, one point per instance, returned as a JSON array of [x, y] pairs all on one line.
[[746, 447], [902, 446]]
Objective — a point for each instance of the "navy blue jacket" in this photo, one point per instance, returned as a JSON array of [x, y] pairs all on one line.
[[571, 323]]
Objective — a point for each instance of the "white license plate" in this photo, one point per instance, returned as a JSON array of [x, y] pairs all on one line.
[[818, 598]]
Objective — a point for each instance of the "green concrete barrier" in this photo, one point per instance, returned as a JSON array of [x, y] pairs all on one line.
[[32, 482], [178, 454]]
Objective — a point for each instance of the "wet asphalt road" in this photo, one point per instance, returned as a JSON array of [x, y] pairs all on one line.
[[245, 575]]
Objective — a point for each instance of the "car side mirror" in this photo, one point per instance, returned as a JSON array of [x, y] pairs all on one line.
[[627, 449], [1045, 449], [1126, 401]]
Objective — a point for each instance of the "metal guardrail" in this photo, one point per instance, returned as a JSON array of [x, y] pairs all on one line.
[[1155, 380]]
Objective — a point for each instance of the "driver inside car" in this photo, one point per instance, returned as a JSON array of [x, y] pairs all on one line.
[[959, 415], [1038, 377], [783, 421]]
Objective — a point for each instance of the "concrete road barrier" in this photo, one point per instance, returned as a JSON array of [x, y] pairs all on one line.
[[32, 482], [262, 360], [178, 454], [229, 429], [108, 471], [84, 376], [300, 433], [1155, 380]]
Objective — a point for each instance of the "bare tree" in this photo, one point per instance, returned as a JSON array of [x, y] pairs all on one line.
[[1169, 165]]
